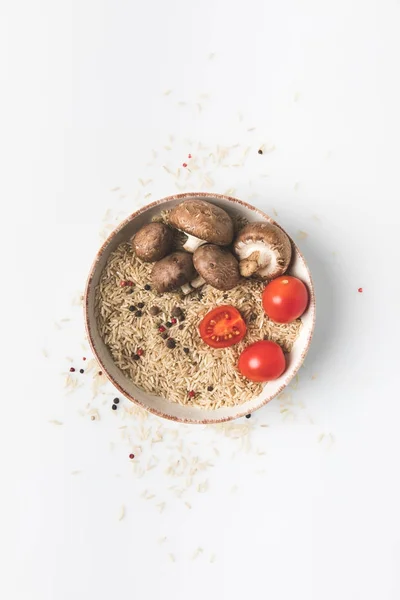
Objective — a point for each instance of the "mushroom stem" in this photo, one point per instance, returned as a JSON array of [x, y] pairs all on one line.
[[193, 285], [249, 265], [192, 243], [198, 282]]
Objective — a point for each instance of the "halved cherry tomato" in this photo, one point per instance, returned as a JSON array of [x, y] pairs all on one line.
[[222, 327], [262, 361], [285, 299]]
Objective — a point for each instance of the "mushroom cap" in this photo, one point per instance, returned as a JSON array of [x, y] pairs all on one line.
[[171, 272], [153, 241], [273, 245], [204, 221], [217, 266]]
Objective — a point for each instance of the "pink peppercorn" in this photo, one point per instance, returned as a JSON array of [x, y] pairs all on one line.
[[131, 456], [184, 164], [161, 329], [174, 321], [72, 370], [192, 394], [140, 352], [360, 290]]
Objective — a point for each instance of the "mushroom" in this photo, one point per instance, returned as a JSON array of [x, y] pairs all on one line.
[[216, 266], [152, 242], [172, 272], [202, 222], [263, 249]]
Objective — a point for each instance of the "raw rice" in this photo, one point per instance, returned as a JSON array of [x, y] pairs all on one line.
[[171, 373]]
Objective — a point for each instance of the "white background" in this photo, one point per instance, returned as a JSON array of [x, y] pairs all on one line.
[[91, 93]]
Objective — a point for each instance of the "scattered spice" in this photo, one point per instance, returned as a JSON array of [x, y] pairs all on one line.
[[171, 343], [176, 311], [136, 357], [259, 151], [114, 407], [248, 416], [138, 313], [132, 308], [186, 350], [174, 321], [253, 317], [360, 290], [81, 371], [181, 326], [210, 388], [154, 311], [116, 400], [165, 336], [131, 456], [189, 156], [72, 370], [184, 164], [140, 304], [100, 373], [161, 329], [84, 358], [140, 352], [130, 291], [191, 394], [92, 418], [147, 287], [126, 283], [168, 324]]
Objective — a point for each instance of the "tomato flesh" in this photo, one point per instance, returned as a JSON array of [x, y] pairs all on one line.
[[285, 299], [222, 327], [262, 361]]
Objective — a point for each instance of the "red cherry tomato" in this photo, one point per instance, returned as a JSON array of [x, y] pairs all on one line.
[[222, 327], [285, 299], [262, 361]]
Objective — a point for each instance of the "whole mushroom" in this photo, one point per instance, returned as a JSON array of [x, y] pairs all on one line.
[[172, 272], [152, 242], [203, 223], [216, 266], [263, 250]]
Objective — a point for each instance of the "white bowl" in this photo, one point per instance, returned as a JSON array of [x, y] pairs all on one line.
[[161, 406]]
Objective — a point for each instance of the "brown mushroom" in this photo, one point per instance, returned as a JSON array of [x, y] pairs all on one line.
[[263, 249], [216, 266], [172, 272], [202, 222], [152, 242]]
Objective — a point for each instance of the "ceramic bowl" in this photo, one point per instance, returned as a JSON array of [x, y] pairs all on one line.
[[161, 406]]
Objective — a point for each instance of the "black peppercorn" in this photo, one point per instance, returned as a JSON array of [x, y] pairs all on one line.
[[116, 400], [147, 287], [81, 371], [253, 317], [248, 416], [114, 407], [181, 326], [171, 343], [186, 350], [136, 357], [260, 151], [132, 308], [210, 388], [140, 304], [164, 336], [168, 324], [138, 313], [177, 312]]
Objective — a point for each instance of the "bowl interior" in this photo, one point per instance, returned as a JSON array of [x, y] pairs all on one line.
[[156, 404]]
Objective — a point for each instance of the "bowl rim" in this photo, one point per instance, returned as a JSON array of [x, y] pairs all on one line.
[[187, 196]]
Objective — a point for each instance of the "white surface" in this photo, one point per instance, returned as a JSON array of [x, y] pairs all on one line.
[[83, 105]]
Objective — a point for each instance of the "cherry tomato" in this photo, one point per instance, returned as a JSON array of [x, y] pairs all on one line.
[[285, 299], [222, 327], [262, 361]]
